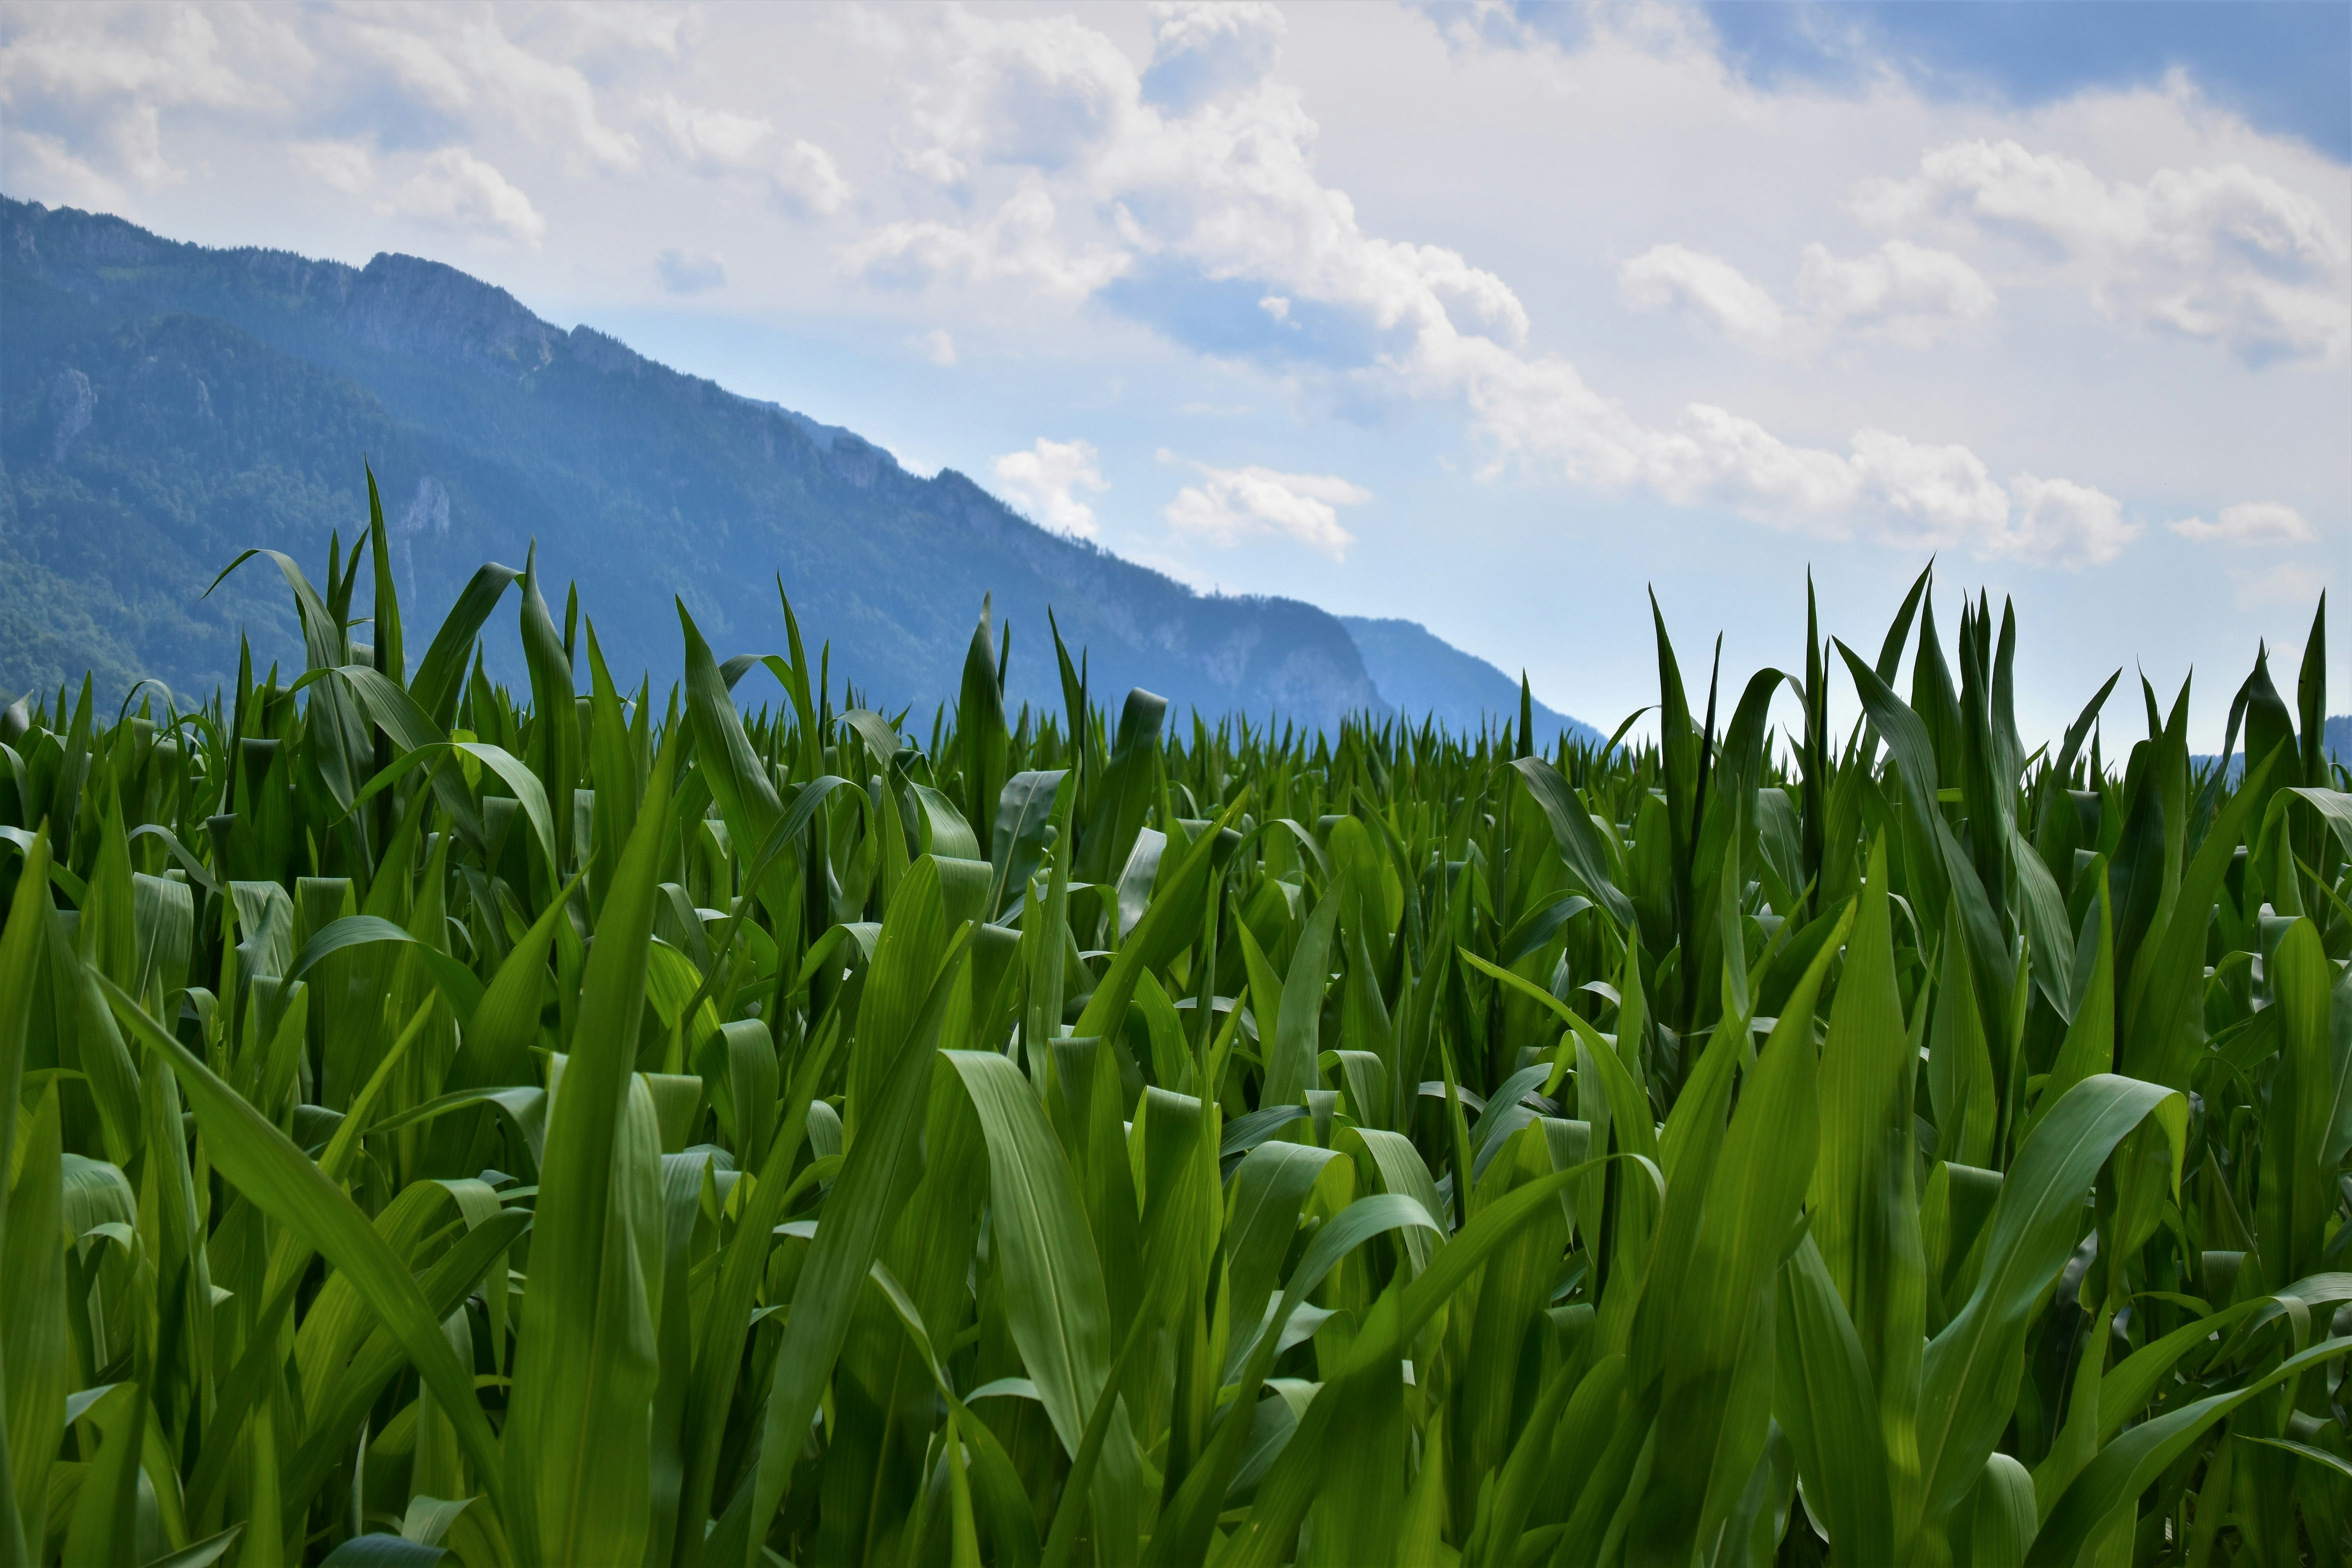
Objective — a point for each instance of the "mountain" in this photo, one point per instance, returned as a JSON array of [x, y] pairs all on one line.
[[164, 407], [1422, 675], [2335, 742]]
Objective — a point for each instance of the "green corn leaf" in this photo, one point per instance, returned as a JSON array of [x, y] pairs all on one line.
[[2129, 1465], [1968, 1381], [36, 1353], [1828, 1405], [845, 1242], [585, 1374], [1575, 838], [266, 1166]]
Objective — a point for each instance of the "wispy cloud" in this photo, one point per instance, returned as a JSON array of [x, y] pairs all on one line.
[[1047, 480], [2290, 585], [1230, 505], [456, 190], [2219, 253], [2249, 523], [691, 272], [1218, 185]]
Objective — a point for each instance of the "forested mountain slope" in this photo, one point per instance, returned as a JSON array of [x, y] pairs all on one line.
[[163, 406]]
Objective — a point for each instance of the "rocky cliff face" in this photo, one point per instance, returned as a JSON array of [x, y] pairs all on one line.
[[402, 305], [490, 428]]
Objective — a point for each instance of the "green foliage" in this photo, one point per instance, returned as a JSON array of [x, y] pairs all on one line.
[[607, 1129]]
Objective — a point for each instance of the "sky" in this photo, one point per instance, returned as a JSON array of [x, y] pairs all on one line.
[[1496, 317]]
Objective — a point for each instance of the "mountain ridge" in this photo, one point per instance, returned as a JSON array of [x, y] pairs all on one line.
[[1422, 673], [164, 406]]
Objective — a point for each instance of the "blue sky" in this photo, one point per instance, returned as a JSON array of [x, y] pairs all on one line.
[[2284, 65], [1482, 314]]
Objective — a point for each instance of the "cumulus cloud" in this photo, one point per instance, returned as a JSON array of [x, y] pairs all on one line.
[[691, 272], [2249, 523], [2224, 254], [122, 85], [1230, 505], [808, 180], [1539, 412], [464, 64], [938, 347], [1202, 50], [1020, 241], [710, 139], [1139, 194], [1707, 288], [143, 96], [345, 167], [1907, 292], [158, 55], [456, 190], [619, 28], [43, 166], [2291, 585], [2059, 523], [804, 178], [1223, 189], [1904, 292], [1046, 479], [83, 89], [1041, 92]]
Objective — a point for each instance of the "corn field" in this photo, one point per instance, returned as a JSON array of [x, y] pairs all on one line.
[[456, 1124]]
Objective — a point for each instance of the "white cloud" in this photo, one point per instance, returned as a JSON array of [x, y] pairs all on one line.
[[2224, 254], [1233, 504], [804, 179], [1112, 184], [1541, 413], [458, 191], [938, 347], [711, 139], [618, 28], [808, 180], [1675, 276], [1901, 291], [1046, 480], [345, 166], [1908, 292], [157, 55], [93, 83], [463, 62], [1225, 189], [1041, 91], [2249, 523], [2061, 523], [691, 272], [45, 168], [1202, 50], [1018, 242], [2291, 584]]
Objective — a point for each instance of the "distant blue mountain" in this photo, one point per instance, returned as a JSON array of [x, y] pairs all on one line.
[[1422, 675], [2334, 738], [163, 406]]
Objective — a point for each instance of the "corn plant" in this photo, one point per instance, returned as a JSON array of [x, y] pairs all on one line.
[[573, 1127]]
